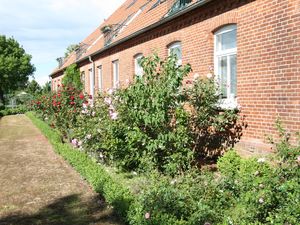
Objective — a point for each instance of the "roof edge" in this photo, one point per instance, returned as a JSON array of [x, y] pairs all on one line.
[[145, 29]]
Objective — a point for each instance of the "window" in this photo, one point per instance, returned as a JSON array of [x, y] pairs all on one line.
[[82, 78], [225, 61], [175, 49], [178, 5], [115, 73], [138, 69], [92, 82], [100, 81]]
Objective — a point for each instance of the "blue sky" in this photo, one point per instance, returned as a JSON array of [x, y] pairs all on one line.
[[45, 28]]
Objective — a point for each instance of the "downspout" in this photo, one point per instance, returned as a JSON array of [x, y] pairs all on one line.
[[92, 81]]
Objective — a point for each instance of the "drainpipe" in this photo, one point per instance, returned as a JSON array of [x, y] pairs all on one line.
[[92, 81]]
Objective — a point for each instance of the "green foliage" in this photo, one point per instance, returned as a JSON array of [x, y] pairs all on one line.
[[72, 77], [33, 88], [20, 109], [246, 191], [156, 123], [189, 198], [46, 88], [151, 128], [61, 109], [213, 129], [71, 48], [264, 191], [116, 195], [15, 66]]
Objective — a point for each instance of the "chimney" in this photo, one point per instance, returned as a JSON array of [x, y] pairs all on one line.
[[60, 61]]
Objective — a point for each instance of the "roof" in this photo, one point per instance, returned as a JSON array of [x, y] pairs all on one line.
[[132, 17]]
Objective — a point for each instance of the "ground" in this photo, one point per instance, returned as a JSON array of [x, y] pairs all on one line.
[[38, 186]]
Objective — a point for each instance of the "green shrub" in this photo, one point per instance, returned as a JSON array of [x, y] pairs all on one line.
[[213, 129], [156, 122], [60, 109], [191, 198], [244, 191], [72, 77], [21, 109]]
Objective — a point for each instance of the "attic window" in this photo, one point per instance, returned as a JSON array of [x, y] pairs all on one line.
[[131, 4], [179, 5]]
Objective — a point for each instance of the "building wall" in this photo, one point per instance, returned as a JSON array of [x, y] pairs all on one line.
[[268, 62]]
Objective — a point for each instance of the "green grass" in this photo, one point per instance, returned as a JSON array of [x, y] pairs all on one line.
[[114, 192]]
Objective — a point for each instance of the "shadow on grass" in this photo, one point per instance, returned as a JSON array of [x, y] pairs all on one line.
[[69, 210]]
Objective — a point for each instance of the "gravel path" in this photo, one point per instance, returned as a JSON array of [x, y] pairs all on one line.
[[37, 186]]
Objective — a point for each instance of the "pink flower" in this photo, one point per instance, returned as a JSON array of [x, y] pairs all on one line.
[[74, 142], [209, 75], [147, 215], [113, 115], [261, 200], [110, 91], [107, 101], [196, 76]]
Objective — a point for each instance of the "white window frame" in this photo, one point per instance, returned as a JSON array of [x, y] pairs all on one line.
[[92, 81], [174, 45], [138, 69], [230, 101], [116, 73], [82, 79], [100, 78]]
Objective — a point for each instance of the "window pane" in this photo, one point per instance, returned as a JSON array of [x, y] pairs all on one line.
[[233, 82], [100, 78], [226, 40], [116, 73], [138, 67], [222, 69], [176, 51]]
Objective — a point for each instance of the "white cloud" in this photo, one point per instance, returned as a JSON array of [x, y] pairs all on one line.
[[45, 28]]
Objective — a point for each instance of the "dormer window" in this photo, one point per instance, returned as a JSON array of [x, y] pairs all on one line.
[[178, 5]]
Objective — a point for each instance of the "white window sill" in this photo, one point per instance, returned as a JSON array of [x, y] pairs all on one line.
[[228, 103]]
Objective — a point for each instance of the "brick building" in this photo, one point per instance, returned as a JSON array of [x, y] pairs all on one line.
[[253, 47]]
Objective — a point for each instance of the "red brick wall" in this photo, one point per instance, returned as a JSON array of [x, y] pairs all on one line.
[[268, 33]]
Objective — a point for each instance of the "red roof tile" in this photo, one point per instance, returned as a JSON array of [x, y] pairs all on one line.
[[130, 17]]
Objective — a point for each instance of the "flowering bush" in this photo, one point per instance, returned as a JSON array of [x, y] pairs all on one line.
[[213, 129], [245, 191], [60, 109], [156, 122]]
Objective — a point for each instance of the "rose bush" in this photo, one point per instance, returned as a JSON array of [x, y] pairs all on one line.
[[60, 109]]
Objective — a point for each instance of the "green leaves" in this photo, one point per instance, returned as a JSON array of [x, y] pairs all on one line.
[[72, 77], [15, 65]]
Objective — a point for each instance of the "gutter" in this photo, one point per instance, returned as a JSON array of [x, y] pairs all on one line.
[[150, 27]]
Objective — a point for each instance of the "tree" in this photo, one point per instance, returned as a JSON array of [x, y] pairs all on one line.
[[15, 66], [33, 87], [47, 87], [70, 49], [72, 77]]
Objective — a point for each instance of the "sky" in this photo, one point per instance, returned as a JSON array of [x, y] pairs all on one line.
[[45, 28]]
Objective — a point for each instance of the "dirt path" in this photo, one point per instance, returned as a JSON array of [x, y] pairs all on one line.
[[39, 187]]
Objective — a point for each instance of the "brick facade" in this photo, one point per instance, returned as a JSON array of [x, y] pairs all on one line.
[[268, 57]]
